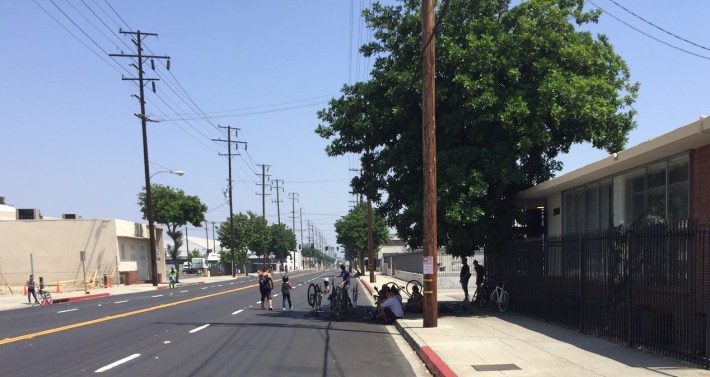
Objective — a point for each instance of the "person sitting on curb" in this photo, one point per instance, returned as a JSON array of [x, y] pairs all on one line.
[[415, 304], [391, 309]]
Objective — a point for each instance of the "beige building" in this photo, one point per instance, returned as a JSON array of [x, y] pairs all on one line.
[[53, 249]]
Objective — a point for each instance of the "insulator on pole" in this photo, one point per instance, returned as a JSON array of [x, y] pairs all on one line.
[[153, 82], [152, 64], [168, 64]]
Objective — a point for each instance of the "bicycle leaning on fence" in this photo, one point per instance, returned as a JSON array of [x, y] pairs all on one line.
[[499, 297]]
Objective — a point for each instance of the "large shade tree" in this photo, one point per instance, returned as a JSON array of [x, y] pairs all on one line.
[[516, 85], [240, 243], [174, 209], [352, 232], [283, 241]]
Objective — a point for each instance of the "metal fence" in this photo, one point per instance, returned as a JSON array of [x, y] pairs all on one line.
[[645, 286], [447, 265]]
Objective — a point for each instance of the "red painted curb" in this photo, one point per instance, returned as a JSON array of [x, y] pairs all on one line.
[[434, 363], [367, 285], [79, 298]]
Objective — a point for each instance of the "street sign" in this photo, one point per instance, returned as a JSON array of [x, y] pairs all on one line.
[[428, 265]]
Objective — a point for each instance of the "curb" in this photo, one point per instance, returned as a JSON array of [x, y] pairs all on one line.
[[433, 362]]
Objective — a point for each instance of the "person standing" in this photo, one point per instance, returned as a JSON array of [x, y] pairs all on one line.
[[266, 284], [464, 276], [172, 277], [480, 273], [286, 293], [31, 290]]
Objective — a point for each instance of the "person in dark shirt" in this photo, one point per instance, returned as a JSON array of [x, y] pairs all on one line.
[[464, 276]]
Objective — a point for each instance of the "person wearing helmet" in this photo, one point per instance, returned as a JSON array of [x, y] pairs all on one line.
[[326, 285], [345, 275], [286, 293]]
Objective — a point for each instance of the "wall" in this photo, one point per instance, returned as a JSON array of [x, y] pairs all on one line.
[[54, 247]]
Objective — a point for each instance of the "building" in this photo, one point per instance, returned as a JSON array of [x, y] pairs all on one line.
[[53, 249], [662, 179]]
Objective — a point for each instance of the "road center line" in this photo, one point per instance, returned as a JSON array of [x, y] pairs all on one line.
[[199, 328], [117, 363]]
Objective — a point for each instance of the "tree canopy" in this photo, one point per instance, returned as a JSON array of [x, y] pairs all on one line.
[[174, 209], [283, 241], [515, 87], [351, 231]]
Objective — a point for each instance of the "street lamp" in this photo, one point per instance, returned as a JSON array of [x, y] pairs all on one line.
[[151, 224]]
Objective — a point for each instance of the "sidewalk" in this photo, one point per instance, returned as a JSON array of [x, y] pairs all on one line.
[[484, 342], [16, 301]]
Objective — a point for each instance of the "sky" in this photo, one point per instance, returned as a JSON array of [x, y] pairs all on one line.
[[71, 142]]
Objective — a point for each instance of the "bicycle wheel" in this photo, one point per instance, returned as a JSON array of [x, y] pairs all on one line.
[[503, 301], [312, 295], [494, 299], [411, 284], [391, 284]]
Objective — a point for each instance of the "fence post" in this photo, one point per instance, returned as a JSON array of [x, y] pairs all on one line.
[[581, 284], [545, 272]]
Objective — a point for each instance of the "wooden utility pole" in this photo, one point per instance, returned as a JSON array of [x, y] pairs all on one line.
[[231, 196], [278, 198], [264, 169], [293, 196], [370, 241], [140, 59], [429, 165]]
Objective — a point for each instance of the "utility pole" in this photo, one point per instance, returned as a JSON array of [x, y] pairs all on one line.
[[370, 241], [430, 244], [187, 244], [140, 57], [300, 218], [264, 169], [293, 196], [207, 238], [278, 200], [214, 241], [231, 195]]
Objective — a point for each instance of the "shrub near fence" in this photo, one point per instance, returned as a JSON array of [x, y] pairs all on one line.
[[644, 285]]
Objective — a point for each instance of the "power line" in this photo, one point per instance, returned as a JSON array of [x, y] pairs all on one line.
[[648, 35]]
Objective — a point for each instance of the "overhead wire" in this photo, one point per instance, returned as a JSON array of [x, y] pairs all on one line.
[[648, 35]]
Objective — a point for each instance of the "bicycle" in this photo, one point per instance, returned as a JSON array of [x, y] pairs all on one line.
[[499, 297], [315, 296], [481, 298], [339, 302], [44, 297]]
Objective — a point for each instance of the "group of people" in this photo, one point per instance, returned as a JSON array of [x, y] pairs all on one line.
[[465, 275]]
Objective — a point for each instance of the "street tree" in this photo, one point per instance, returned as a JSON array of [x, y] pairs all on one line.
[[517, 84], [174, 209], [352, 232], [240, 243], [283, 241], [260, 237]]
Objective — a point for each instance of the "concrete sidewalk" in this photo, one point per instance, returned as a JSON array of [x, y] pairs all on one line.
[[478, 342]]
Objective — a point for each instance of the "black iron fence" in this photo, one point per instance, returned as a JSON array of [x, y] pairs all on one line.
[[644, 285]]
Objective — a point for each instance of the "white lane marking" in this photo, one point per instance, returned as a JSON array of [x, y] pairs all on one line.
[[219, 285], [198, 329], [204, 287], [68, 310], [120, 302], [238, 311], [184, 291], [275, 295], [117, 363], [258, 302], [157, 296], [232, 283]]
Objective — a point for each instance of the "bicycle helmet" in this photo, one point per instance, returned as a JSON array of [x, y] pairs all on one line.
[[285, 278]]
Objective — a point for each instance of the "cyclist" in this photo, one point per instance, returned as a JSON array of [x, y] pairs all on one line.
[[345, 283]]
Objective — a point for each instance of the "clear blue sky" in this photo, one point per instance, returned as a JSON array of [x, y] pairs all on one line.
[[71, 143]]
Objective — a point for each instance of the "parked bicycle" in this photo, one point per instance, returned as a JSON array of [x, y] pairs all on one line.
[[339, 302], [499, 297], [44, 297], [408, 289]]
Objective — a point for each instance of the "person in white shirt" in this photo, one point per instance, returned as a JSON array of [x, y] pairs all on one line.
[[391, 309]]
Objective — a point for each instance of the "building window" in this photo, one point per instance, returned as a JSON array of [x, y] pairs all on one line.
[[653, 193], [123, 251]]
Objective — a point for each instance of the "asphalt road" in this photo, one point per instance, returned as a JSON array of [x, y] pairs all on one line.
[[201, 330]]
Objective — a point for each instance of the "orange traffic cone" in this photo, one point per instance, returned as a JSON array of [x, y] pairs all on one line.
[[25, 291], [110, 282], [59, 288]]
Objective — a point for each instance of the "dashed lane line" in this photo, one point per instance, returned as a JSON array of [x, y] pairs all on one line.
[[117, 363]]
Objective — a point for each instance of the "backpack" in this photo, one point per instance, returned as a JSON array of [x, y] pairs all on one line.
[[265, 281]]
